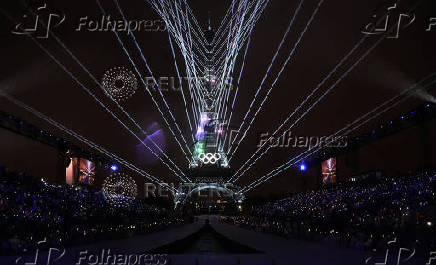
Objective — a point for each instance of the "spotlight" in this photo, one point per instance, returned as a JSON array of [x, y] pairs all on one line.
[[303, 167], [114, 167], [204, 118]]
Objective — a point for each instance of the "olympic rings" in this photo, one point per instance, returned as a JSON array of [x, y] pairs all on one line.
[[209, 158]]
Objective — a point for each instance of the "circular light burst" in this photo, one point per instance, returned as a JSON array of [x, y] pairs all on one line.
[[120, 83], [119, 189]]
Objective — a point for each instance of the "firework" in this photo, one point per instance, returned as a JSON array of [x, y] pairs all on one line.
[[120, 83], [119, 189]]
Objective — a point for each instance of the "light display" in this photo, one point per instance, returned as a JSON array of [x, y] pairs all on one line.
[[329, 171], [218, 66], [207, 150], [119, 189], [114, 167], [119, 83], [87, 172], [209, 158]]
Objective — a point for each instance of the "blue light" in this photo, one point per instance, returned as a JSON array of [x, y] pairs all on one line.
[[114, 167], [303, 167]]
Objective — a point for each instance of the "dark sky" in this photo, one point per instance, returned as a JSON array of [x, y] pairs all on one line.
[[27, 73]]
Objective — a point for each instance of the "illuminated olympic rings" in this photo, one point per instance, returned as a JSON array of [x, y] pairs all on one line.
[[209, 158]]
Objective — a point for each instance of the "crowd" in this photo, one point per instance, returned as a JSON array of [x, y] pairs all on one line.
[[354, 214], [32, 211], [364, 215]]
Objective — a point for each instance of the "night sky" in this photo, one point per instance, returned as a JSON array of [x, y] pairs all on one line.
[[28, 74]]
